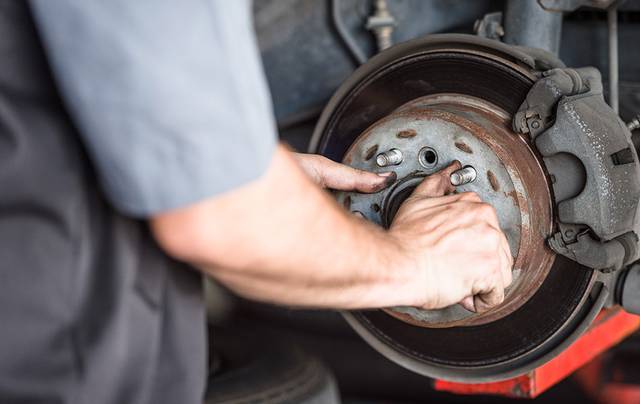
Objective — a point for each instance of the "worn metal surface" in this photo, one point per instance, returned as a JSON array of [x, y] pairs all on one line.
[[455, 127], [566, 114], [439, 63], [570, 296]]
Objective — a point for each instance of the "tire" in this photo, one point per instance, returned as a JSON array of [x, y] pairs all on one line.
[[253, 370]]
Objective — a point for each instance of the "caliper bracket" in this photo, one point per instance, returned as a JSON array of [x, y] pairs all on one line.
[[593, 166]]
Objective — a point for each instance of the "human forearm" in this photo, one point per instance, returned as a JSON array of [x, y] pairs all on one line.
[[284, 240]]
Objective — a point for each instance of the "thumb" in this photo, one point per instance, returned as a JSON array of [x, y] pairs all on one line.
[[438, 184]]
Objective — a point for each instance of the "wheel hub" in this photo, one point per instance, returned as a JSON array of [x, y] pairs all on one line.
[[431, 132]]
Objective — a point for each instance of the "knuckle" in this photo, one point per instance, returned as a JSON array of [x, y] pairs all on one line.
[[487, 232], [361, 175], [486, 210], [483, 284], [468, 197], [508, 277], [471, 197]]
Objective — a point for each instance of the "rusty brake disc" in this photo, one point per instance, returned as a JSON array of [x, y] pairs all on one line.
[[437, 99], [429, 133]]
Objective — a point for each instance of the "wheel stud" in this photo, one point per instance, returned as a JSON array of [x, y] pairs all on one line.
[[463, 176], [391, 157]]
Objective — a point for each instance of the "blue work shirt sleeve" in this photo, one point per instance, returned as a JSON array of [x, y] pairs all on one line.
[[169, 97]]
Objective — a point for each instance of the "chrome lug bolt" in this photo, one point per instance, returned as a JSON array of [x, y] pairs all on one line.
[[391, 157], [463, 176]]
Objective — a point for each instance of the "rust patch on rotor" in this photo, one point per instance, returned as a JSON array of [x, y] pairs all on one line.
[[371, 151], [406, 134], [464, 147], [513, 195], [493, 181]]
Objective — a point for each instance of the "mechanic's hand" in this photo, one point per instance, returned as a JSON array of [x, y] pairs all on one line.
[[455, 242], [329, 174]]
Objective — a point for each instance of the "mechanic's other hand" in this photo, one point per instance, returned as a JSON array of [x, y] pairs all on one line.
[[329, 174], [452, 246]]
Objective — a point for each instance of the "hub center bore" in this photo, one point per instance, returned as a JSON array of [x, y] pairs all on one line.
[[398, 193], [424, 136]]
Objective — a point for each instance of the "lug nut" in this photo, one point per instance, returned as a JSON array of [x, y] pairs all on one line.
[[391, 157], [463, 176]]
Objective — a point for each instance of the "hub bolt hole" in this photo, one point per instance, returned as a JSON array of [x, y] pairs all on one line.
[[428, 157]]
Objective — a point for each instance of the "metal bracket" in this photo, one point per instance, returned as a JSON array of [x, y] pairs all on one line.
[[593, 166], [490, 26], [382, 24]]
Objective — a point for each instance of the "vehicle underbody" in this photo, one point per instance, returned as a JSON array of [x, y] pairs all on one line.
[[541, 100]]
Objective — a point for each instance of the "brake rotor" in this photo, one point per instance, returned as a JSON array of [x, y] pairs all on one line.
[[431, 132], [445, 98]]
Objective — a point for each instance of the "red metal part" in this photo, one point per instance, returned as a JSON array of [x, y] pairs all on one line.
[[620, 394], [610, 327], [606, 383]]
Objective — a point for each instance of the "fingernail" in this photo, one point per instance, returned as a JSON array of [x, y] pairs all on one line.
[[472, 308], [469, 304]]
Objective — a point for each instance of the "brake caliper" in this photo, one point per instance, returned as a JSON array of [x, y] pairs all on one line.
[[592, 164]]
